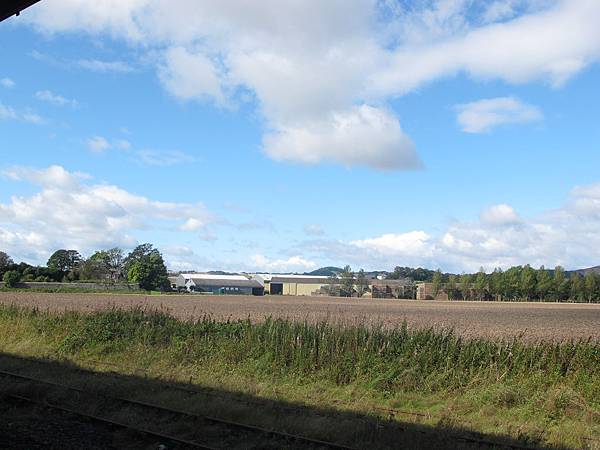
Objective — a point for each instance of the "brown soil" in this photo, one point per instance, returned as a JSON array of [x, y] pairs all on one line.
[[532, 321]]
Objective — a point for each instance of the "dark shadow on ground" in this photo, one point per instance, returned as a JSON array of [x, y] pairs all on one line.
[[28, 427]]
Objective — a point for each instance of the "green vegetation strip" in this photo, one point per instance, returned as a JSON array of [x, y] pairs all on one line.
[[544, 393]]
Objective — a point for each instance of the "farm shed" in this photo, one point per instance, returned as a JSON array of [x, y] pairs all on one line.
[[220, 284], [403, 288], [425, 291], [173, 282], [296, 284]]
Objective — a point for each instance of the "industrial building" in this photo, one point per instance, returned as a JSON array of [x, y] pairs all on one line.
[[296, 284], [302, 285], [219, 284]]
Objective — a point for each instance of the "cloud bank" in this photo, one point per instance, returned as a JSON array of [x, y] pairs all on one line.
[[70, 211], [321, 73]]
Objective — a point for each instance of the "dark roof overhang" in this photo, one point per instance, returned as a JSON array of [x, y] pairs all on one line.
[[9, 8]]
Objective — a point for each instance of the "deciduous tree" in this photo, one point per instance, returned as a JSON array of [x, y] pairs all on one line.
[[590, 282], [11, 278], [544, 283], [347, 281], [560, 285], [64, 260], [528, 283], [577, 289], [5, 262], [480, 284], [362, 283], [150, 272], [437, 282]]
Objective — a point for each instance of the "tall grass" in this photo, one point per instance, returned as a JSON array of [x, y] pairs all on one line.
[[386, 360]]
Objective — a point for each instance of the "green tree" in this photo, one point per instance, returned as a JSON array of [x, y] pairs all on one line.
[[451, 286], [465, 286], [333, 285], [11, 278], [95, 267], [512, 282], [5, 262], [560, 285], [115, 262], [150, 272], [137, 254], [362, 283], [544, 283], [64, 260], [480, 284], [497, 287], [437, 282], [347, 282], [577, 289], [528, 283], [590, 282]]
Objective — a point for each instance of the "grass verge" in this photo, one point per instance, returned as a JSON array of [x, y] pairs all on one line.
[[544, 393]]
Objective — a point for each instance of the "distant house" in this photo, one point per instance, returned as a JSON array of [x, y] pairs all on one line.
[[219, 284]]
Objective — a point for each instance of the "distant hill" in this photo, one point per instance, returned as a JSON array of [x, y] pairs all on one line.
[[221, 272], [331, 270], [325, 271], [595, 269]]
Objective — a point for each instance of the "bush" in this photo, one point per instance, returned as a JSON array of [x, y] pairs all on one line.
[[11, 278]]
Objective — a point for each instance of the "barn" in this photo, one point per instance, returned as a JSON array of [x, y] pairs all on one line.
[[219, 284], [296, 284]]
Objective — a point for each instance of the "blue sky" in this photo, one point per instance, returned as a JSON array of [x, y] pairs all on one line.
[[292, 135]]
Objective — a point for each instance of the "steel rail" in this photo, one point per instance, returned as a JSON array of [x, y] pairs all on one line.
[[172, 385], [111, 422], [253, 428]]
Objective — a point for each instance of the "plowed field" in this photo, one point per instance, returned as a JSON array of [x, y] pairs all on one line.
[[530, 321]]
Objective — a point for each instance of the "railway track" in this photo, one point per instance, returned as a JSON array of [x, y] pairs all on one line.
[[390, 413], [221, 430], [284, 438], [112, 423]]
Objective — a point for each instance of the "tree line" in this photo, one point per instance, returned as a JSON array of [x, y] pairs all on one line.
[[143, 265], [520, 283]]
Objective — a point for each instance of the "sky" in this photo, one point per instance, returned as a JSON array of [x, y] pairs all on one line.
[[293, 134]]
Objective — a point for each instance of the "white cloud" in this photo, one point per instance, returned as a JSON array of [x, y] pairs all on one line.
[[314, 66], [362, 135], [500, 215], [69, 211], [313, 229], [187, 75], [7, 83], [293, 264], [564, 236], [552, 44], [484, 115], [55, 99], [33, 118], [411, 243], [122, 144], [98, 144], [96, 65], [9, 113], [500, 10], [163, 157], [6, 112], [192, 224]]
